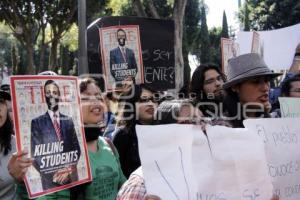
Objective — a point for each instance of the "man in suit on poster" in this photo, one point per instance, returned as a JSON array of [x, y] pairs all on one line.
[[122, 59], [54, 143]]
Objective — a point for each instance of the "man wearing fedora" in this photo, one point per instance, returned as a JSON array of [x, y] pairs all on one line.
[[248, 88]]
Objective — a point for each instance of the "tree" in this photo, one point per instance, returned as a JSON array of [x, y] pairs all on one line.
[[215, 45], [204, 38], [246, 18], [24, 19], [190, 37], [61, 14], [224, 26], [272, 14]]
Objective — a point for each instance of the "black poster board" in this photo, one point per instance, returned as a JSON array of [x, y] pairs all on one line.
[[157, 44]]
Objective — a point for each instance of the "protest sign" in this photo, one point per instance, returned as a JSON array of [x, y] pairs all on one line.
[[281, 138], [121, 54], [289, 107], [48, 124], [180, 163], [255, 43], [156, 43], [236, 153], [277, 46], [229, 49]]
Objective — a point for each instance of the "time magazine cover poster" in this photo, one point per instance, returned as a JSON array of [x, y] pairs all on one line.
[[121, 55], [229, 49], [48, 123]]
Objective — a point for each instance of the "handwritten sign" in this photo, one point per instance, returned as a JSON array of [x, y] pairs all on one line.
[[289, 107], [157, 49], [281, 138], [179, 162]]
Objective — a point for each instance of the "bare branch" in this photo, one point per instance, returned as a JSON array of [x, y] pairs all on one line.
[[138, 8], [153, 10]]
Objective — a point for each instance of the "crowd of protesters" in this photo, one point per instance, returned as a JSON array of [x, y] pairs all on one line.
[[110, 120]]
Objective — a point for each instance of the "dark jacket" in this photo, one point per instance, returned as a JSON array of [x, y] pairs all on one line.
[[126, 142]]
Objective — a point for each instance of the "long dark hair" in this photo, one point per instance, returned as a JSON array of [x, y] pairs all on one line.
[[197, 82], [6, 132], [286, 85]]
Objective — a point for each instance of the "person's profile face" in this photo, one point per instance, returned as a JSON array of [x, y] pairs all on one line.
[[121, 37]]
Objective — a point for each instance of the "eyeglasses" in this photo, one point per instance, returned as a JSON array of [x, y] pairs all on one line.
[[213, 80], [91, 98], [147, 99]]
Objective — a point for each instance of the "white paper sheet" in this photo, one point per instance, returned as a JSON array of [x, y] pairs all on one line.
[[179, 164], [281, 138]]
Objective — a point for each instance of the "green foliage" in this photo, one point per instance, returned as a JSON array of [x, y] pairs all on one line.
[[191, 26], [163, 7], [215, 35], [96, 9], [272, 14], [70, 39], [204, 39], [246, 18], [224, 26]]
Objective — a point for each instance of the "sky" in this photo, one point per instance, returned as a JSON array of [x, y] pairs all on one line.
[[215, 12]]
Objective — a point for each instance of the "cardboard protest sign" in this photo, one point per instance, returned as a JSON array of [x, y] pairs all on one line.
[[48, 123], [229, 49], [154, 53], [255, 43], [180, 163], [121, 54], [289, 107], [281, 138], [277, 46]]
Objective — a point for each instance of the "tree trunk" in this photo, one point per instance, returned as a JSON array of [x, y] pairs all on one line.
[[153, 10], [14, 59], [53, 56], [42, 66], [138, 8], [30, 64], [178, 16]]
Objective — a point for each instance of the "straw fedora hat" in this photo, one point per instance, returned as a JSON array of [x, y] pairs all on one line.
[[246, 66]]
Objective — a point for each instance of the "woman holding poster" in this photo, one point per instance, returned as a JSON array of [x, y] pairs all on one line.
[[104, 160], [7, 147], [106, 172]]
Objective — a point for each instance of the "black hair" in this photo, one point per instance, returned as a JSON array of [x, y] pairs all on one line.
[[286, 85], [83, 83], [126, 117], [197, 82], [5, 137], [168, 111], [119, 30], [51, 82]]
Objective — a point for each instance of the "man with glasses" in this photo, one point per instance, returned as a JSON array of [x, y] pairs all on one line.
[[207, 91], [291, 87]]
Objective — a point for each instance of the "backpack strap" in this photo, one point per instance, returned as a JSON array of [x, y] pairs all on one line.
[[111, 145]]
